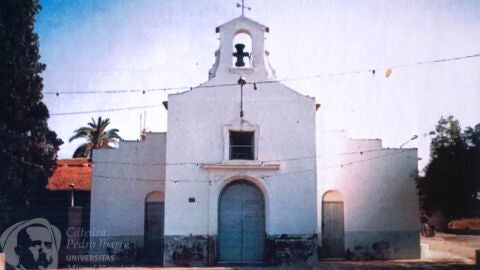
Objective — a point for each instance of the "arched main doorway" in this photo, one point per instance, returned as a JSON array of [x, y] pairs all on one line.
[[333, 234], [154, 227], [241, 224]]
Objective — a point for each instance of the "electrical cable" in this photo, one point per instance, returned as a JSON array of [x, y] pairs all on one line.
[[184, 88]]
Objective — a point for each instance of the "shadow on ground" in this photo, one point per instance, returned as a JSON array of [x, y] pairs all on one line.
[[395, 265]]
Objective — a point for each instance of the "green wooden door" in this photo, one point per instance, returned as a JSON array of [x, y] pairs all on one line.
[[154, 215], [241, 237], [332, 230]]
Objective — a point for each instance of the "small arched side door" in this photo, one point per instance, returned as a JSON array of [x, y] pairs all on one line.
[[333, 232], [154, 227]]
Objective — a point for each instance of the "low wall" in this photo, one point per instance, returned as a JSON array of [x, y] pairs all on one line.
[[200, 250], [378, 245], [289, 249], [188, 251]]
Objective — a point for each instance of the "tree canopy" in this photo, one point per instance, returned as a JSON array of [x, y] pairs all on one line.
[[28, 148], [451, 184], [97, 136]]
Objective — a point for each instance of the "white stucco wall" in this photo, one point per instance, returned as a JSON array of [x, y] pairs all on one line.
[[122, 178], [377, 186], [295, 163], [198, 125], [285, 135]]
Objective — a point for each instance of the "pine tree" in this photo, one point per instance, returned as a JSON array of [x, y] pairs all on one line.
[[451, 185], [28, 148]]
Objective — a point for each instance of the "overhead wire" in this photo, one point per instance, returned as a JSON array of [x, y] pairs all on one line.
[[264, 177], [263, 161], [108, 110], [184, 88]]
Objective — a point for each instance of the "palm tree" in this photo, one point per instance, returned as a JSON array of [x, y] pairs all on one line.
[[97, 137]]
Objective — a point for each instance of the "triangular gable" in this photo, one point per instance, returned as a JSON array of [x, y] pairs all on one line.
[[244, 19]]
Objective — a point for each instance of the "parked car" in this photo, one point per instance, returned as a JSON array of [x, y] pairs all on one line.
[[465, 224]]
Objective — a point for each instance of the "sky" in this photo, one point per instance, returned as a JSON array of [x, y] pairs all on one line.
[[324, 49]]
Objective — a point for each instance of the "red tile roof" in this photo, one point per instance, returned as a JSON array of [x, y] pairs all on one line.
[[76, 170]]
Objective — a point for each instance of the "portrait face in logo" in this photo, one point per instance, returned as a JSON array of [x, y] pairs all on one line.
[[34, 247], [31, 244]]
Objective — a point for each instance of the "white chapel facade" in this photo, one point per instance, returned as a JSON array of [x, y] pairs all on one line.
[[246, 175]]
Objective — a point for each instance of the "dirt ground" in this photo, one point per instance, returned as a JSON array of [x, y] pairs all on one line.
[[443, 251], [451, 247]]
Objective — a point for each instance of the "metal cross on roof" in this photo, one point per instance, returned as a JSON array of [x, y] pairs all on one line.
[[243, 7]]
